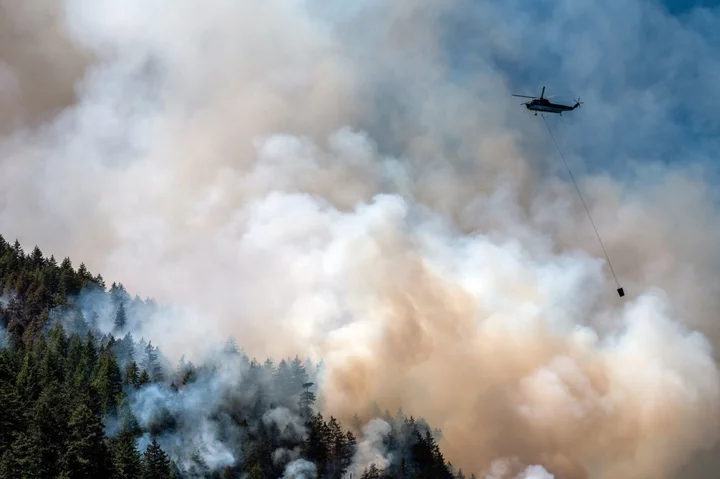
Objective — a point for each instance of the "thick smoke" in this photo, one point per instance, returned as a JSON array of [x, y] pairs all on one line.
[[355, 183], [300, 469], [372, 449], [501, 469]]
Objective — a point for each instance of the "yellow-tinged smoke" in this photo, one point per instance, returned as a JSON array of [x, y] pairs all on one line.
[[313, 181]]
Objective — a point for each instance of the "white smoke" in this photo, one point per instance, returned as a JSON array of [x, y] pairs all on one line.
[[503, 469], [300, 469], [290, 425], [371, 448], [535, 472], [284, 456]]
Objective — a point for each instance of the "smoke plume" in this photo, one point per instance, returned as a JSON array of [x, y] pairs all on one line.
[[354, 183], [371, 450]]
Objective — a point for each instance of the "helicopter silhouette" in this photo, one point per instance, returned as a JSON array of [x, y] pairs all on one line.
[[543, 105]]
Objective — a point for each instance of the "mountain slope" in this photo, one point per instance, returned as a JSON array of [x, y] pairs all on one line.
[[83, 398]]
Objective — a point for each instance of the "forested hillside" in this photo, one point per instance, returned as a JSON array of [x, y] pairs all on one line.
[[82, 398]]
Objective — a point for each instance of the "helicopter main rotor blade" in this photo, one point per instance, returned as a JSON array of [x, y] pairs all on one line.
[[525, 96]]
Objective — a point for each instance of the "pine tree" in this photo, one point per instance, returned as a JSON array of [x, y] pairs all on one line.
[[120, 318], [18, 249], [28, 379], [132, 375], [143, 379], [151, 364], [198, 465], [11, 418], [118, 293], [371, 472], [269, 366], [231, 347], [349, 451], [175, 471], [126, 458], [283, 384], [86, 455], [91, 352], [125, 350], [186, 372], [157, 463], [23, 458], [317, 443], [299, 375], [84, 275], [128, 422], [37, 260], [307, 399], [74, 357], [109, 383], [52, 366]]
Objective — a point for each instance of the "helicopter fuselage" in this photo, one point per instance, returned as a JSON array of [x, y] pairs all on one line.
[[548, 107], [544, 105]]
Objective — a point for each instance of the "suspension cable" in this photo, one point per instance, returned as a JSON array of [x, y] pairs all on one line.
[[620, 290]]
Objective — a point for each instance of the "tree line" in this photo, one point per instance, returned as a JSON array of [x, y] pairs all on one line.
[[82, 402]]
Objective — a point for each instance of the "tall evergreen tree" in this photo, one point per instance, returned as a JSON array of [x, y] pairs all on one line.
[[157, 463], [151, 364], [372, 472], [86, 455], [143, 379], [307, 399], [132, 375], [317, 447], [108, 383], [126, 458], [284, 384], [120, 318], [11, 404], [299, 375]]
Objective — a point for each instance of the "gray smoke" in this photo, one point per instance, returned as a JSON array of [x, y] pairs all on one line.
[[300, 469], [371, 449]]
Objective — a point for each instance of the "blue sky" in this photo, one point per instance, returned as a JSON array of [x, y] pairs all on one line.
[[648, 73], [683, 6]]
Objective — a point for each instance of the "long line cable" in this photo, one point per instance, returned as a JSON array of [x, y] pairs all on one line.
[[620, 291]]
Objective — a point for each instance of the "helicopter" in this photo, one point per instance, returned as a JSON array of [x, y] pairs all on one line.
[[542, 104]]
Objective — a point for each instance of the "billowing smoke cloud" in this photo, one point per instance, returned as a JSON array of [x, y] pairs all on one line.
[[354, 183], [536, 472], [39, 64], [371, 450], [300, 469], [501, 469]]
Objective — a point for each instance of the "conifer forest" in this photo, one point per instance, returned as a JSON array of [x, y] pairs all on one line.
[[82, 398]]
